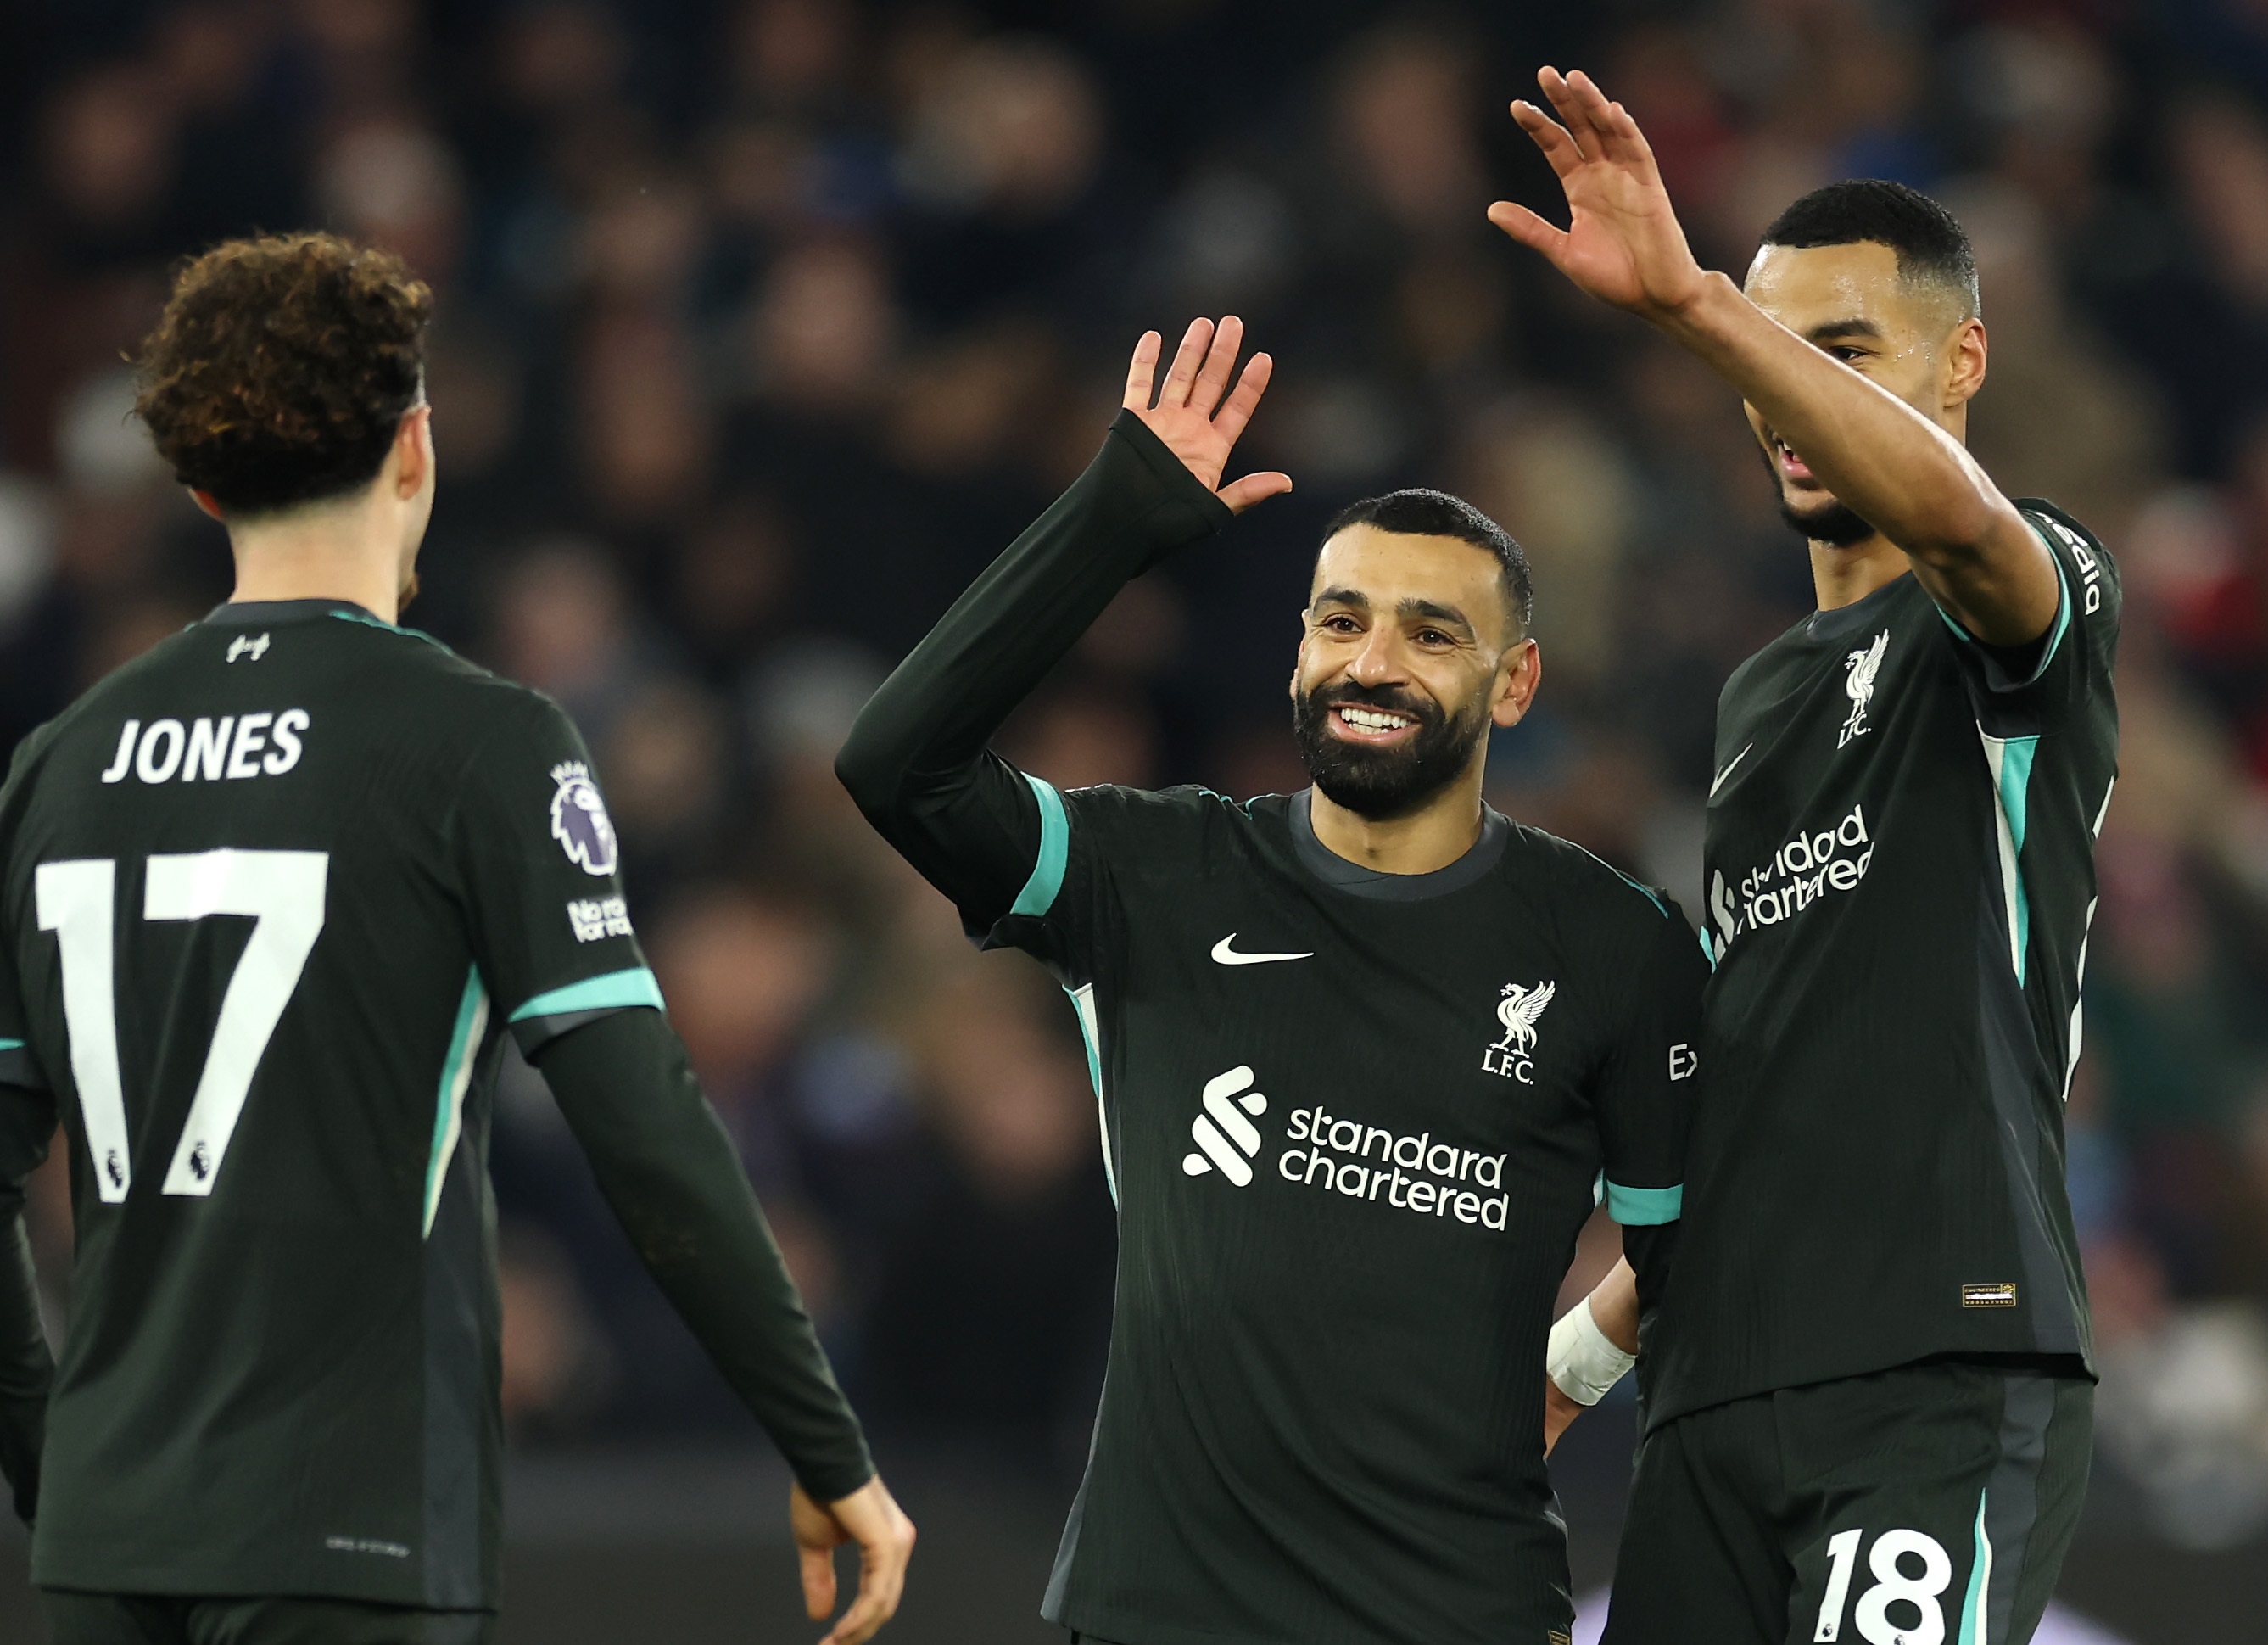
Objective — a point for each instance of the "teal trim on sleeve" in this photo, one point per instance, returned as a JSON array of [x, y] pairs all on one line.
[[456, 1078], [2063, 609], [616, 991], [1039, 893], [12, 1044], [1645, 1207], [1707, 952]]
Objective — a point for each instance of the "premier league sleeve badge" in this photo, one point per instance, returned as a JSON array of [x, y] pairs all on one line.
[[579, 821]]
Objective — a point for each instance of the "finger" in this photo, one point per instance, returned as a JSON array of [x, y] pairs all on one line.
[[1245, 397], [818, 1582], [1141, 372], [1219, 361], [1531, 231], [1555, 92], [1184, 371], [881, 1584], [1601, 137], [1626, 142], [1253, 487], [1559, 150]]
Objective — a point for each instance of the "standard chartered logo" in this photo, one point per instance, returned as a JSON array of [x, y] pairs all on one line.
[[1223, 1136], [1413, 1173], [1805, 868]]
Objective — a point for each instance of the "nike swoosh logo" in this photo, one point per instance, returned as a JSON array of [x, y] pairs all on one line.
[[1727, 772], [1224, 955]]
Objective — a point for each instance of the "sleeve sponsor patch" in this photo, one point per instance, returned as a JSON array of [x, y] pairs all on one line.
[[595, 918]]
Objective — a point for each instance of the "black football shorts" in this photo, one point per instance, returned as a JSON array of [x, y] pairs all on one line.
[[1928, 1505]]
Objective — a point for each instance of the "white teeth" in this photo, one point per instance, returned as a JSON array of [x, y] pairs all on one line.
[[1369, 720]]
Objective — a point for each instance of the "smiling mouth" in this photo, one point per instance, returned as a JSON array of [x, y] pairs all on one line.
[[1791, 466], [1360, 724]]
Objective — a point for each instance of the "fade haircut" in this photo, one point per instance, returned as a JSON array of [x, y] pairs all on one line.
[[1420, 513], [282, 367], [1931, 246]]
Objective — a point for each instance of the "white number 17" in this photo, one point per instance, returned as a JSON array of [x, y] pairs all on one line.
[[281, 890]]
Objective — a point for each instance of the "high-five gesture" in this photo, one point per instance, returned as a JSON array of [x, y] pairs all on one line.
[[1192, 417], [1622, 244]]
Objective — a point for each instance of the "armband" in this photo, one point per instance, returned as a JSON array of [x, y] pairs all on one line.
[[1581, 1360]]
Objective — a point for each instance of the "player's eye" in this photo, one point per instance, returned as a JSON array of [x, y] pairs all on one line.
[[1433, 637], [1340, 623]]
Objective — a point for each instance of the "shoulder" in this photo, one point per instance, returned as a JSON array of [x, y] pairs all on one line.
[[1187, 806], [470, 704], [1590, 893]]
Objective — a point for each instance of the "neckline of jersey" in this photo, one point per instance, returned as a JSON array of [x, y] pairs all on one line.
[[1836, 624], [245, 613], [1338, 873]]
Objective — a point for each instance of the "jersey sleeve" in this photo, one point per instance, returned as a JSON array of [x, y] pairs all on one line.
[[2024, 690], [1643, 1091], [541, 868], [1069, 908], [28, 1124]]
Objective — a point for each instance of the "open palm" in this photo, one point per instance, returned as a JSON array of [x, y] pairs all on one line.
[[1192, 418], [1622, 244]]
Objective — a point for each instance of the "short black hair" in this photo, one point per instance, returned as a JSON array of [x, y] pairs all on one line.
[[1420, 513], [1931, 244]]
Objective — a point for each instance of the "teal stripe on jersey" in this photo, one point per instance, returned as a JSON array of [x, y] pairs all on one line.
[[1039, 893], [1976, 1611], [616, 990], [368, 621], [2010, 759], [12, 1044], [456, 1078], [1645, 1207], [1082, 1001]]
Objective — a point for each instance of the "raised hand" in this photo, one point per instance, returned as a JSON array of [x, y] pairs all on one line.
[[871, 1517], [1192, 417], [1622, 244]]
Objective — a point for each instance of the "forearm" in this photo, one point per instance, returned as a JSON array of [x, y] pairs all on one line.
[[1614, 1304], [924, 734], [1902, 473], [26, 1369], [669, 1172]]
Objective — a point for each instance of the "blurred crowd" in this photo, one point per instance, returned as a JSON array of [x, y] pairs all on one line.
[[765, 323]]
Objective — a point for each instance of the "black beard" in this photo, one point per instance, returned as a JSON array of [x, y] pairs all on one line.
[[1382, 783], [1835, 525]]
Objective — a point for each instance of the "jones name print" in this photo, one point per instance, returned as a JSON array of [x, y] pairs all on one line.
[[233, 747]]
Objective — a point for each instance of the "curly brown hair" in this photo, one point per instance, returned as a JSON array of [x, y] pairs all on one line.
[[281, 369]]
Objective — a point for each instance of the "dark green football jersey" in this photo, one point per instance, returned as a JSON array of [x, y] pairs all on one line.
[[1899, 876], [272, 895], [1354, 1122]]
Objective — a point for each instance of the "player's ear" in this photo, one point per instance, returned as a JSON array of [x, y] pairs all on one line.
[[1518, 675], [413, 450], [1965, 357]]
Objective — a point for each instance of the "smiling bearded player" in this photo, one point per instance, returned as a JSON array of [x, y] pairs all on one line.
[[1361, 1053], [1870, 1418]]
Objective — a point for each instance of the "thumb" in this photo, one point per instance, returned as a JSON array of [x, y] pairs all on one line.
[[1253, 487], [1529, 229]]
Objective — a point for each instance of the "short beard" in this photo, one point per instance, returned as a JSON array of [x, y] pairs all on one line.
[[1836, 525], [1383, 784]]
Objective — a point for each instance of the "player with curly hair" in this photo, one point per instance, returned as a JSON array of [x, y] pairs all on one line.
[[272, 897]]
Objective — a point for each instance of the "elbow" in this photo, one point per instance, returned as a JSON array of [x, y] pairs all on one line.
[[868, 772], [1962, 531]]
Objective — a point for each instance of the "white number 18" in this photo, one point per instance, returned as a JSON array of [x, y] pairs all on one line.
[[281, 890], [1892, 1586]]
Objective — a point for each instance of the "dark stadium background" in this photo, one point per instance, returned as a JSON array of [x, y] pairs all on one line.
[[764, 323]]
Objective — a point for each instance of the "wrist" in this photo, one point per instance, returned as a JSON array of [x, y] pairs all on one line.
[[1696, 312], [1581, 1360]]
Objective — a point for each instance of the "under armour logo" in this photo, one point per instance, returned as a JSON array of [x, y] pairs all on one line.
[[245, 645]]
